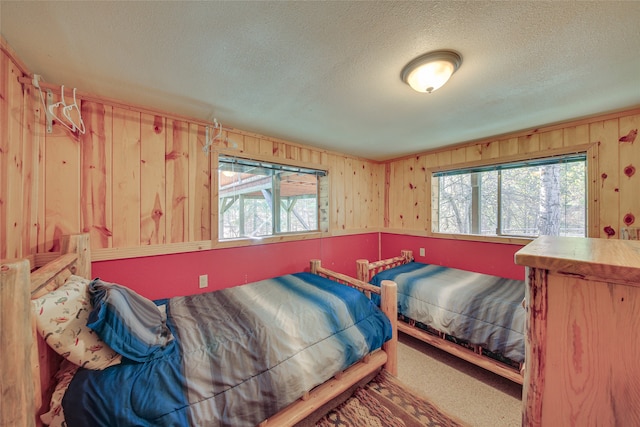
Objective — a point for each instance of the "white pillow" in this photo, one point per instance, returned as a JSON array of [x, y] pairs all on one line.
[[61, 319]]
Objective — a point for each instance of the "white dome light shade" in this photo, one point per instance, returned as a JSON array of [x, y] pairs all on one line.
[[431, 71]]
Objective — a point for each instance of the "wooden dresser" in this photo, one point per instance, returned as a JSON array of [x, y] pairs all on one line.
[[583, 332]]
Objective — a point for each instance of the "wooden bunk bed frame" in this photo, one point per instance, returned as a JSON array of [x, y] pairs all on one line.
[[366, 270], [29, 365]]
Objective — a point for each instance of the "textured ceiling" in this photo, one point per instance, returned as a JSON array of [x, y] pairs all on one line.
[[327, 73]]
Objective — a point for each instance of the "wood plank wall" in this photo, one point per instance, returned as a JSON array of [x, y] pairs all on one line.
[[137, 179], [614, 171]]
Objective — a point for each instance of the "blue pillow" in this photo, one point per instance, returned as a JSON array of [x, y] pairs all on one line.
[[129, 323]]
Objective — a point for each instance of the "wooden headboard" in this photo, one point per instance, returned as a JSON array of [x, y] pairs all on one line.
[[366, 270], [28, 364]]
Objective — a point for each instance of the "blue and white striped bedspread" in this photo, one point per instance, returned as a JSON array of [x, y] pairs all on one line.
[[241, 355], [481, 309]]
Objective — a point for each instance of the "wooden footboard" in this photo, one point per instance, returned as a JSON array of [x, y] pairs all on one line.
[[325, 392], [385, 358], [366, 270], [388, 305]]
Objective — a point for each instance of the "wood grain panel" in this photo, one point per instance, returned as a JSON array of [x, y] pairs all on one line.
[[421, 193], [605, 135], [293, 152], [508, 147], [348, 184], [305, 155], [551, 140], [29, 175], [629, 171], [473, 153], [410, 190], [266, 147], [317, 158], [458, 155], [397, 209], [575, 135], [443, 158], [152, 180], [177, 164], [337, 206], [15, 218], [490, 150], [4, 151], [95, 180], [199, 186], [34, 135], [376, 194], [529, 144], [126, 178]]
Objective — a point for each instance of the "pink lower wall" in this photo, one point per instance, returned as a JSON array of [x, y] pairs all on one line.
[[166, 276], [482, 257]]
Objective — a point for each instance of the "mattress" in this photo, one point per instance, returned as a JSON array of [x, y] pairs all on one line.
[[238, 356], [478, 308]]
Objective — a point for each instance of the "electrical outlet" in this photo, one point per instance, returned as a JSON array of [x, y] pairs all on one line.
[[421, 251], [204, 281]]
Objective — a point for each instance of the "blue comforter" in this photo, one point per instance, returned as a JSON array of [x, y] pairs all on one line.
[[239, 356], [481, 309]]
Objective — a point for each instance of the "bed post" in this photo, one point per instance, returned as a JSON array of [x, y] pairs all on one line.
[[78, 244], [389, 306], [363, 270], [315, 264], [17, 406]]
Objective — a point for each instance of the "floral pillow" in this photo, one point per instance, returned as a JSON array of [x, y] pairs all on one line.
[[61, 319]]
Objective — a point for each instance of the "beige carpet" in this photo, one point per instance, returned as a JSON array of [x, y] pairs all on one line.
[[475, 395], [467, 393]]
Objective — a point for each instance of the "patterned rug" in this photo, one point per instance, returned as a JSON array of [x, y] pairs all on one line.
[[385, 402]]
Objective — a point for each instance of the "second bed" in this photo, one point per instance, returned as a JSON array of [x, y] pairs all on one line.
[[477, 317]]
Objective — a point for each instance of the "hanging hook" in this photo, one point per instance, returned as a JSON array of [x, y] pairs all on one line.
[[68, 108], [66, 112], [209, 141]]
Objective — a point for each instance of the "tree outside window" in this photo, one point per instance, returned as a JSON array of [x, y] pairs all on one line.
[[527, 199]]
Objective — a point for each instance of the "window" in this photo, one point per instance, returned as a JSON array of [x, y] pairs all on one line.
[[257, 199], [527, 199]]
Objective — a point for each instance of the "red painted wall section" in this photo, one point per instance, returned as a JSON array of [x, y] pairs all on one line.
[[177, 274], [482, 257]]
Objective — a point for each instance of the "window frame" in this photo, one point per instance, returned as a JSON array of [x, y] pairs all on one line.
[[592, 193], [286, 165]]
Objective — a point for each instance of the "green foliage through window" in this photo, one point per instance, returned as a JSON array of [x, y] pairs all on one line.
[[530, 198]]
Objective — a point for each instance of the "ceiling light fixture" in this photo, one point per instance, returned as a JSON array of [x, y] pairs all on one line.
[[430, 71]]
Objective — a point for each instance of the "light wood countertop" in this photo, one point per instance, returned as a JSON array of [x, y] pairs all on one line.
[[607, 259]]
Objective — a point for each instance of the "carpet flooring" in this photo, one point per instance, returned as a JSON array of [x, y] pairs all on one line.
[[386, 402]]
